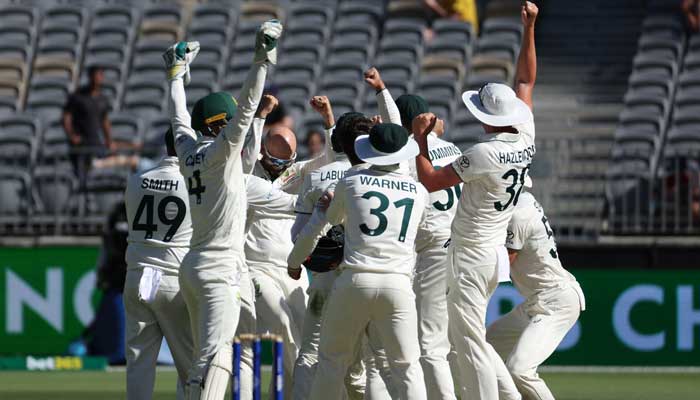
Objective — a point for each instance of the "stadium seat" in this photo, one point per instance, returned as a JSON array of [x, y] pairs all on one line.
[[14, 193]]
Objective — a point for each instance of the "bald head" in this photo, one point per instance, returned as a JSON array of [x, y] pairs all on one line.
[[281, 143]]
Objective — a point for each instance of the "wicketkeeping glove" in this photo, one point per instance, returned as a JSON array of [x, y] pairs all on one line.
[[328, 252], [178, 58], [266, 42]]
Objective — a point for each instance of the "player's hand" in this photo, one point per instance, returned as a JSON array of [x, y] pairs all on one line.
[[267, 104], [294, 273], [322, 105], [373, 79], [528, 13], [266, 42], [325, 201], [377, 119], [439, 127], [423, 124]]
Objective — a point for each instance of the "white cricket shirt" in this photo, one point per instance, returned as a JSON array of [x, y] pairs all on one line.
[[443, 202], [493, 172], [159, 220], [213, 170], [381, 209], [537, 266]]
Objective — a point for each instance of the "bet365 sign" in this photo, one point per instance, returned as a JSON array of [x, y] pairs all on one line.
[[48, 297]]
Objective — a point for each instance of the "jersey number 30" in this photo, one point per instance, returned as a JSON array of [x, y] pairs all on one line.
[[379, 213], [146, 206]]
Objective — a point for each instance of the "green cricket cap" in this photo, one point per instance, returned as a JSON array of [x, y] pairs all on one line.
[[211, 108], [410, 106]]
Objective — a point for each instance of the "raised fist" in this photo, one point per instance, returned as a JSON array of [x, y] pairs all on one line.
[[267, 104], [320, 104], [528, 13], [373, 79], [423, 124]]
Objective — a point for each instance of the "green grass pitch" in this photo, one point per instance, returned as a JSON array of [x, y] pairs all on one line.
[[566, 386]]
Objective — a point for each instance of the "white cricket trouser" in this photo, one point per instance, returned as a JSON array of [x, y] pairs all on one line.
[[280, 305], [246, 325], [430, 287], [358, 300], [529, 334], [146, 325], [210, 280], [472, 280], [307, 361]]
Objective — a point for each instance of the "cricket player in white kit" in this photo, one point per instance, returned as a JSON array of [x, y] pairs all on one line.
[[381, 208], [159, 237], [529, 334], [211, 165], [494, 172], [280, 302], [429, 279], [315, 185]]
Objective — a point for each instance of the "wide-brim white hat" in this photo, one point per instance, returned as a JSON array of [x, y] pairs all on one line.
[[385, 150], [496, 104]]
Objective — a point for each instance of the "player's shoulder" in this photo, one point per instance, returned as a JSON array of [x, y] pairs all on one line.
[[526, 210]]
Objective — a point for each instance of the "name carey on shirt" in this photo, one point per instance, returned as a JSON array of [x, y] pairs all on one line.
[[517, 157], [388, 184], [159, 184]]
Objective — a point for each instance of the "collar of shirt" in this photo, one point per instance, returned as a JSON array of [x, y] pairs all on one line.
[[501, 137], [341, 157], [386, 168], [168, 160]]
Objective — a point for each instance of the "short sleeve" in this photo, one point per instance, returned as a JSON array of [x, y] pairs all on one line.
[[69, 107], [518, 233], [472, 164]]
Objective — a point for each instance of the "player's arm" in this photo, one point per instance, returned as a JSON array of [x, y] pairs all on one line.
[[253, 140], [180, 120], [305, 205], [264, 196], [517, 234], [432, 179], [230, 140], [526, 71], [387, 107], [321, 221], [322, 105]]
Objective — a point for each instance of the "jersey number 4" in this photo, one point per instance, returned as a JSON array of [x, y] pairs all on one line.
[[379, 213], [195, 186], [515, 178], [146, 206]]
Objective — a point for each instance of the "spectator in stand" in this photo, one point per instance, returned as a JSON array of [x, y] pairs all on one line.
[[86, 124], [464, 10], [314, 142], [691, 10]]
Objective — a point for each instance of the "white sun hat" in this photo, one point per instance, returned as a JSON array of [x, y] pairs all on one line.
[[496, 104], [386, 144]]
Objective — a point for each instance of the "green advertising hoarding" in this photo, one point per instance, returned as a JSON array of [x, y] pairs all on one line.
[[48, 297], [633, 317]]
